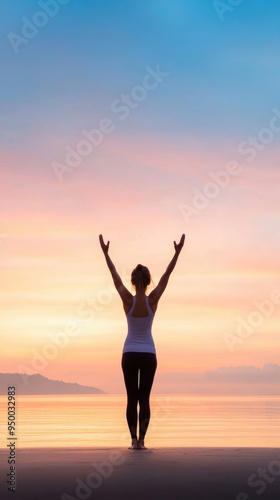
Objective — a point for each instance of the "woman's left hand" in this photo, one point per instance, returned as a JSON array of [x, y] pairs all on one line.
[[104, 247]]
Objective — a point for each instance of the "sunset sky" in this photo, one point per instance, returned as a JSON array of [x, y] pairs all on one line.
[[181, 102]]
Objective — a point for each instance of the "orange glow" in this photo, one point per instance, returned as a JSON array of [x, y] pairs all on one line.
[[54, 276]]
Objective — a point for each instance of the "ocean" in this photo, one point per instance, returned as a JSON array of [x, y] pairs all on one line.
[[176, 420]]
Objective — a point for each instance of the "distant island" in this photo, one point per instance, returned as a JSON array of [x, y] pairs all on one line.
[[37, 384]]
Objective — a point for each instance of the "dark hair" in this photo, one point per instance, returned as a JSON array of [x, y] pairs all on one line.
[[140, 277]]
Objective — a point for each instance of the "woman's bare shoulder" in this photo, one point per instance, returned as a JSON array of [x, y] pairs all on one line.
[[153, 302], [127, 303]]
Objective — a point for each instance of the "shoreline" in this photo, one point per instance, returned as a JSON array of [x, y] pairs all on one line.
[[116, 472]]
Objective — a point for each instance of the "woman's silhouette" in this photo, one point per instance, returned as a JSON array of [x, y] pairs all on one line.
[[139, 361]]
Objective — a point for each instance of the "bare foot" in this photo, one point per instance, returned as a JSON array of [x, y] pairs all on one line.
[[134, 444], [141, 445]]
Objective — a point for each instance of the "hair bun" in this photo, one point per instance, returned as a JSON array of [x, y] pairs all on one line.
[[140, 277]]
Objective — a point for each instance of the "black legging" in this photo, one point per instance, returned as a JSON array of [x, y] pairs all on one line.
[[144, 364]]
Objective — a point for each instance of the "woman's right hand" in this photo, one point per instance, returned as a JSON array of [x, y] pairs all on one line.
[[104, 247], [178, 246]]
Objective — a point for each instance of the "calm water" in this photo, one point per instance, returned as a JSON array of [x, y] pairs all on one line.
[[177, 420]]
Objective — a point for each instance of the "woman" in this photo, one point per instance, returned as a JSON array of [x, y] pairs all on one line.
[[139, 360]]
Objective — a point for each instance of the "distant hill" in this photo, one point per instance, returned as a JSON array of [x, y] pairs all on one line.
[[37, 384]]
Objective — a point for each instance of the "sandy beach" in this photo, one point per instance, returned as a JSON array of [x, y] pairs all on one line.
[[161, 473]]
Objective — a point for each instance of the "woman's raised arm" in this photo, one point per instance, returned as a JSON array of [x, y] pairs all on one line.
[[122, 290], [158, 291]]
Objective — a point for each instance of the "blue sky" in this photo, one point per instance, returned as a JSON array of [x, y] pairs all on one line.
[[224, 76]]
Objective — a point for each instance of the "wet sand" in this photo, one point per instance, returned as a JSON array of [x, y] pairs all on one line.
[[156, 473]]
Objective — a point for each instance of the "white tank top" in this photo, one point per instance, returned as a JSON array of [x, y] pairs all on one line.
[[139, 336]]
